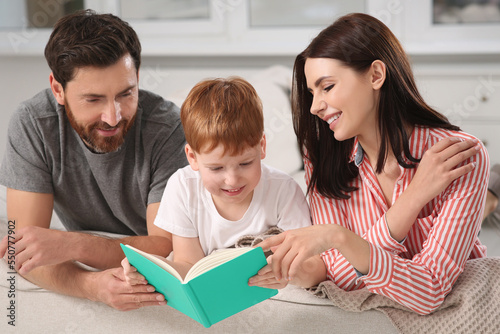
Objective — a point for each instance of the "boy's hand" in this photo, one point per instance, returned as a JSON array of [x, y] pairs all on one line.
[[266, 279], [110, 287], [132, 277]]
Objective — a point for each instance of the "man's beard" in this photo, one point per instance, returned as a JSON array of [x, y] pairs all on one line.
[[90, 135]]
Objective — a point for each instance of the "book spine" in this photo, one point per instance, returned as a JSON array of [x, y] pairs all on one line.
[[202, 315]]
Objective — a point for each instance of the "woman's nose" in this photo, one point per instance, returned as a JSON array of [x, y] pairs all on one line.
[[317, 106]]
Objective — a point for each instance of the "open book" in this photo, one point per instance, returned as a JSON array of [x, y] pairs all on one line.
[[215, 288]]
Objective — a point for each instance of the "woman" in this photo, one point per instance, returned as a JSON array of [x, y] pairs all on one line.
[[396, 192]]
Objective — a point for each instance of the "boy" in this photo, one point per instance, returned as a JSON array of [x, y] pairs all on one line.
[[225, 192]]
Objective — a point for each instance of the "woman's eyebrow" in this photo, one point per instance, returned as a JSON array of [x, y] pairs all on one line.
[[318, 82]]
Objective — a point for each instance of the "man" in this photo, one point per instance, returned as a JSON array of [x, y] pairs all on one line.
[[98, 151]]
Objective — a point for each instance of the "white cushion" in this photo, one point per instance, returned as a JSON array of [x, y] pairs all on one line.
[[274, 86]]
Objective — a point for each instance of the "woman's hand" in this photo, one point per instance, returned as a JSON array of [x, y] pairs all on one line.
[[293, 248], [439, 167]]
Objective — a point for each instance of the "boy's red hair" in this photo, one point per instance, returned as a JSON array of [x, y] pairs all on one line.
[[222, 111]]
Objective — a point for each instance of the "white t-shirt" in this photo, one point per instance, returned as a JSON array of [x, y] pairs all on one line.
[[187, 209]]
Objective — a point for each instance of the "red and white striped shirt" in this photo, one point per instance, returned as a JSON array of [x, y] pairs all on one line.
[[420, 271]]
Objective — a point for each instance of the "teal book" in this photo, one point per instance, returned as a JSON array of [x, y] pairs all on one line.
[[215, 288]]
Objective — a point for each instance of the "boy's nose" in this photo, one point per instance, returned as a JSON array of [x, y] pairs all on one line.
[[232, 178]]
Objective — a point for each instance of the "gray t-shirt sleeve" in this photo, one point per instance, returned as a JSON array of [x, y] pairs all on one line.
[[162, 141], [25, 155], [169, 158]]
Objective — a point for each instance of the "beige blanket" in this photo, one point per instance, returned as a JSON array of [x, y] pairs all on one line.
[[473, 306]]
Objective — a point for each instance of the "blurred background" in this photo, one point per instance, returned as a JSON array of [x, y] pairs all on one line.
[[454, 46]]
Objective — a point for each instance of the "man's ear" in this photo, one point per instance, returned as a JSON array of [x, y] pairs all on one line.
[[191, 157], [377, 71], [263, 147], [57, 89]]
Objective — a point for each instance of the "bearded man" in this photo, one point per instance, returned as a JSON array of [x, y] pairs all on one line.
[[98, 151]]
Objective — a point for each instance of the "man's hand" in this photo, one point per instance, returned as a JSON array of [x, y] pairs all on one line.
[[4, 244], [109, 286], [37, 246]]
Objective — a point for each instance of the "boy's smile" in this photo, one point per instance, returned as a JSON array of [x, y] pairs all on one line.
[[233, 192]]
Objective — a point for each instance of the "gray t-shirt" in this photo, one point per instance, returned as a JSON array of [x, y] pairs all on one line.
[[100, 192]]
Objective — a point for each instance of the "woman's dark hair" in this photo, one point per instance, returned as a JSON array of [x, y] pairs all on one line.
[[86, 38], [356, 40]]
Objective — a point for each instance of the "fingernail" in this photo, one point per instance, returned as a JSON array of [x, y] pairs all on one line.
[[160, 298], [473, 165], [150, 289], [162, 303], [477, 147]]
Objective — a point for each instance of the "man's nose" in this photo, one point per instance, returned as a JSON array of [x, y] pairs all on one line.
[[112, 115]]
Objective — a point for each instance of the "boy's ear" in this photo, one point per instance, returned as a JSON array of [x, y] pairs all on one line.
[[263, 147], [57, 89], [191, 157], [377, 74]]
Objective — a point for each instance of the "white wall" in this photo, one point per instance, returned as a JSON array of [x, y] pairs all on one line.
[[21, 78]]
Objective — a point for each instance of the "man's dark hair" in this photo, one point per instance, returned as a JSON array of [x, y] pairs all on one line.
[[86, 38]]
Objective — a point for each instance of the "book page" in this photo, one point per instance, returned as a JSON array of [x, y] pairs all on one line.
[[213, 260], [158, 261]]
